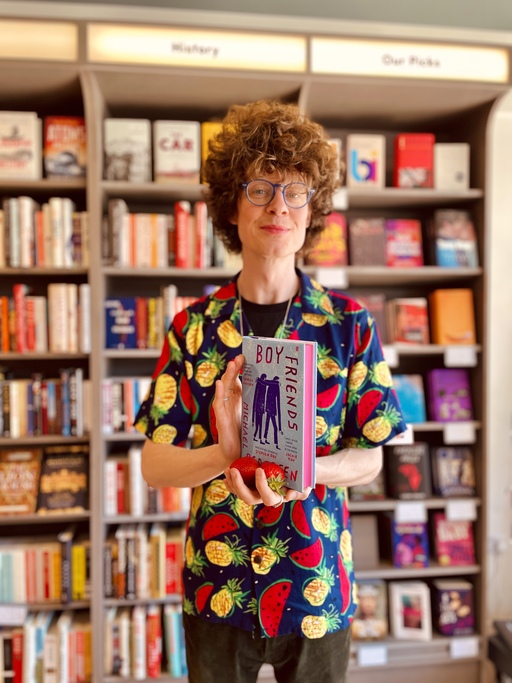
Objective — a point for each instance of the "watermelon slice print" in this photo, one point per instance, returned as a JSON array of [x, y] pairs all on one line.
[[346, 589], [271, 606], [310, 557], [164, 359], [365, 341], [220, 523], [299, 520], [367, 404], [270, 515], [201, 595], [327, 398]]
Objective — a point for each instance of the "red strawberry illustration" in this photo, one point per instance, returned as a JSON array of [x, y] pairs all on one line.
[[202, 594], [269, 515], [247, 466], [299, 520], [310, 557], [220, 523], [275, 475], [327, 398], [271, 606], [367, 404]]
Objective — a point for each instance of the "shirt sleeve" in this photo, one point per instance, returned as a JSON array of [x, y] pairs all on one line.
[[373, 414]]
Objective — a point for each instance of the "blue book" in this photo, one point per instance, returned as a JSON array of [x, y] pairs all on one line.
[[411, 396], [410, 544], [120, 323]]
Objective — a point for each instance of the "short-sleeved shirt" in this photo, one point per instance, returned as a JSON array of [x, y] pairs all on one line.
[[272, 571]]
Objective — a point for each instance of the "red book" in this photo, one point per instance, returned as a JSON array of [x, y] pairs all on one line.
[[182, 236], [141, 322], [331, 247], [153, 641], [414, 160], [173, 561], [404, 245], [30, 322], [17, 655], [454, 541], [19, 292], [121, 488], [65, 148], [201, 228]]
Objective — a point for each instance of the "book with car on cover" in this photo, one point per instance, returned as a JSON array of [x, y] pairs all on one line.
[[278, 413]]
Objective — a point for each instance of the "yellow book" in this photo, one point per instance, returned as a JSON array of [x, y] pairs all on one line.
[[208, 130], [452, 317], [78, 571]]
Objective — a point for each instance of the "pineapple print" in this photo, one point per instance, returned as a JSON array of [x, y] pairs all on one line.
[[357, 376], [320, 426], [164, 434], [380, 374], [215, 494], [189, 370], [198, 435], [346, 547], [224, 553], [265, 556], [316, 590], [244, 511], [315, 319], [327, 365], [176, 353], [324, 523], [209, 369], [195, 503], [230, 596], [215, 308], [228, 333], [319, 298], [164, 397], [314, 626], [380, 427], [194, 560], [194, 336]]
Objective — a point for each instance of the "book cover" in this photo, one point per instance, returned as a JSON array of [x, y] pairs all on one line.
[[409, 544], [408, 471], [404, 243], [120, 323], [127, 149], [64, 480], [451, 165], [177, 151], [375, 304], [454, 541], [411, 396], [367, 242], [366, 160], [410, 610], [331, 247], [414, 160], [408, 320], [371, 617], [20, 145], [453, 612], [278, 412], [20, 469], [452, 316], [453, 239], [64, 146], [449, 395], [453, 471], [209, 130]]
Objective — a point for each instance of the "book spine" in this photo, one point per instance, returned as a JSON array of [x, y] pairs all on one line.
[[182, 237]]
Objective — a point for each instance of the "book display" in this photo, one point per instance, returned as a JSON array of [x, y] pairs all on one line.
[[104, 238]]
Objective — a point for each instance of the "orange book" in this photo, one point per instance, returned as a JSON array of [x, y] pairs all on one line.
[[331, 247], [452, 317]]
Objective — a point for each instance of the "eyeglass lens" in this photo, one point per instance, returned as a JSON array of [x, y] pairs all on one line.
[[261, 192]]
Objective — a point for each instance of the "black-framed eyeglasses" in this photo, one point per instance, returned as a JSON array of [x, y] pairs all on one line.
[[262, 192]]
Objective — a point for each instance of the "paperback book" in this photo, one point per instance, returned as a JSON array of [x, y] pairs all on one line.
[[452, 316], [64, 147], [366, 160], [411, 396], [371, 616], [453, 607], [279, 405], [449, 392], [409, 610], [451, 165], [408, 471], [453, 471], [410, 544], [63, 485], [414, 160], [331, 247], [404, 243], [375, 304], [367, 242], [408, 320], [453, 239], [454, 541], [177, 151], [20, 469]]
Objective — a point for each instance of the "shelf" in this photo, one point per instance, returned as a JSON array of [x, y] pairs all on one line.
[[147, 191], [53, 518], [44, 185], [150, 517], [391, 504], [440, 426], [173, 599], [372, 276], [429, 349], [170, 273], [39, 271], [393, 197], [46, 355], [131, 353], [124, 436], [43, 440], [387, 571]]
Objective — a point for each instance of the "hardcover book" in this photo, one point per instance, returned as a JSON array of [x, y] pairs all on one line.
[[453, 239], [411, 396], [453, 607], [453, 471], [408, 321], [366, 160], [367, 242], [409, 544], [408, 471], [177, 151], [20, 145], [449, 394], [20, 469], [375, 304], [331, 247], [371, 617], [404, 244], [209, 130], [279, 405], [451, 165], [452, 316], [127, 149], [454, 541], [63, 485], [409, 610], [120, 323], [64, 146], [414, 160]]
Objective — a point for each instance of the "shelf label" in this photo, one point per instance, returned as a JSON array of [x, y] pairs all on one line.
[[461, 509], [409, 60], [113, 44], [391, 355], [13, 615], [459, 433], [460, 357], [48, 40], [403, 439], [333, 276], [463, 647], [340, 199], [372, 655], [410, 511]]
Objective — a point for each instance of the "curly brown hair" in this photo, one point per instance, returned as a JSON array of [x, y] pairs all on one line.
[[262, 138]]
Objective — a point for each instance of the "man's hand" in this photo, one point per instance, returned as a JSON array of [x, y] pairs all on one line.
[[227, 406], [263, 493]]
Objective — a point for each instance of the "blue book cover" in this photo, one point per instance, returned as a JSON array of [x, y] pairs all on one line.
[[411, 396], [120, 326], [410, 544], [278, 412]]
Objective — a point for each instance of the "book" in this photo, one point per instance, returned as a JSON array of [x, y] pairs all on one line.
[[209, 129], [408, 471], [404, 243], [453, 612], [453, 471], [454, 542], [20, 469], [177, 151], [367, 242], [375, 490], [449, 395], [375, 304], [331, 247], [410, 610], [409, 543], [453, 240], [365, 536], [64, 480], [366, 160], [278, 412], [451, 165], [127, 149], [414, 160], [371, 616], [120, 327], [20, 145], [408, 320], [411, 396], [452, 316], [64, 146]]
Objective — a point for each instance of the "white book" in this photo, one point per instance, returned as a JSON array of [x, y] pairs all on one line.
[[64, 625], [26, 207], [139, 614], [110, 488], [127, 147], [41, 323], [68, 208], [50, 668], [143, 232], [58, 317], [177, 151], [451, 165], [159, 240], [109, 616], [3, 261], [366, 160], [142, 558], [47, 236], [137, 484], [123, 620], [72, 293], [29, 648], [410, 610], [84, 317], [57, 231], [19, 574], [14, 232], [20, 145], [14, 406]]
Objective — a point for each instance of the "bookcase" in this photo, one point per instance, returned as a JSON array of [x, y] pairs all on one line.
[[455, 109]]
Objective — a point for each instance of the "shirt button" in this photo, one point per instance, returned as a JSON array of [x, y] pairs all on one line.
[[259, 524]]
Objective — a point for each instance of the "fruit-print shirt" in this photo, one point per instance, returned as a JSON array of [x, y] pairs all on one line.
[[270, 570]]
